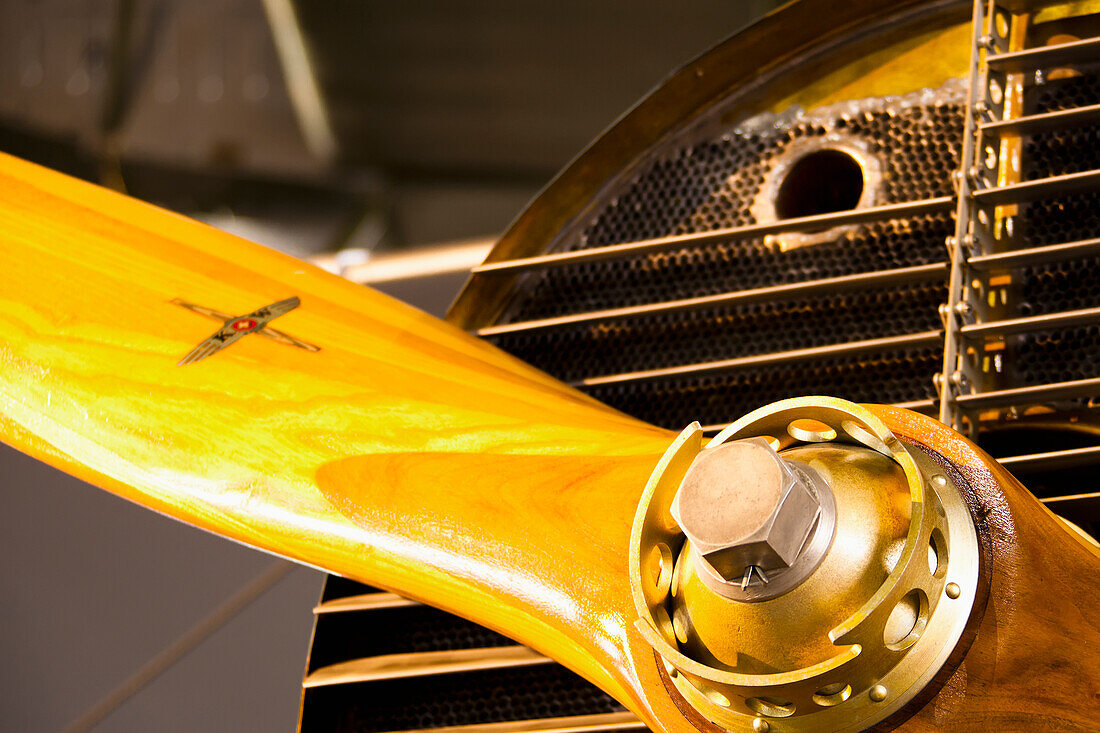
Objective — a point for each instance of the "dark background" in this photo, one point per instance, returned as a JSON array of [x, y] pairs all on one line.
[[404, 124]]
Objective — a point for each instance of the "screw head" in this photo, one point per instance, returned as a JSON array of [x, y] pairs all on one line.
[[740, 505]]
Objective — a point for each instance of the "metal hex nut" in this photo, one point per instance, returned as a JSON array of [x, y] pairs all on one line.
[[741, 504]]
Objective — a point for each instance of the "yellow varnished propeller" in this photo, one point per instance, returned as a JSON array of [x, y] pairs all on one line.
[[253, 395], [263, 399]]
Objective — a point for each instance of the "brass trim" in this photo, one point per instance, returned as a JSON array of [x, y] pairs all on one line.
[[880, 679], [363, 602], [399, 666]]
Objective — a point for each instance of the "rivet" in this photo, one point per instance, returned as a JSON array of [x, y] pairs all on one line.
[[953, 591], [939, 481], [760, 725], [878, 693]]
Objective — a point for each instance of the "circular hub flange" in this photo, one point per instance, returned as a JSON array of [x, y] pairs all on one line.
[[882, 654]]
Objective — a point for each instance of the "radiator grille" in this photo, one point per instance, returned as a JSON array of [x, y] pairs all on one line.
[[711, 184]]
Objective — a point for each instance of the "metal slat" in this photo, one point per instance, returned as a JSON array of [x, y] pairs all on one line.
[[399, 666], [661, 244], [1016, 193], [1079, 508], [775, 293], [364, 602], [1060, 54], [1052, 461], [1030, 124], [1037, 393], [924, 338], [1065, 319], [571, 724], [1037, 255]]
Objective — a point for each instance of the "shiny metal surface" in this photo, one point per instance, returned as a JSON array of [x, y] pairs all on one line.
[[755, 523], [864, 633]]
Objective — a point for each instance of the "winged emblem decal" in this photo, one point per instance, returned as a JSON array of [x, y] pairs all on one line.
[[235, 328]]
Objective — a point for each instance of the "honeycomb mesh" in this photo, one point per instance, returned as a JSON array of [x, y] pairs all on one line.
[[1069, 354], [890, 376], [397, 631], [717, 183], [662, 341], [473, 698]]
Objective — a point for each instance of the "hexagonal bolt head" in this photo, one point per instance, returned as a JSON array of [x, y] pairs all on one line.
[[741, 504]]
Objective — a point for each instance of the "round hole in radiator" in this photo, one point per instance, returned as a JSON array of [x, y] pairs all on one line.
[[820, 182]]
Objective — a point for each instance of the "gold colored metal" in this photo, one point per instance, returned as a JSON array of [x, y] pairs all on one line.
[[397, 666], [860, 637]]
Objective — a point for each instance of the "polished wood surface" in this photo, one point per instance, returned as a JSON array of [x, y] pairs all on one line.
[[411, 456], [403, 453], [1034, 664]]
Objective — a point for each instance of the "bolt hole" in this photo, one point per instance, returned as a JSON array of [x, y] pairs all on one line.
[[811, 431], [906, 621], [660, 568], [770, 707], [820, 183], [937, 554], [865, 437], [834, 694]]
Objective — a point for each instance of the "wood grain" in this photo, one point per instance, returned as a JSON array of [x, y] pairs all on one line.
[[411, 456], [1034, 663]]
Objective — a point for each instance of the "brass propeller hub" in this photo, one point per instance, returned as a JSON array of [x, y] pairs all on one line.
[[802, 571]]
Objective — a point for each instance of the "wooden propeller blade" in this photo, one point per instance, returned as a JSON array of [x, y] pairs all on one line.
[[360, 436], [276, 404]]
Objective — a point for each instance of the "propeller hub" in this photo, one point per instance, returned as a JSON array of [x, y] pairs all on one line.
[[804, 571]]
